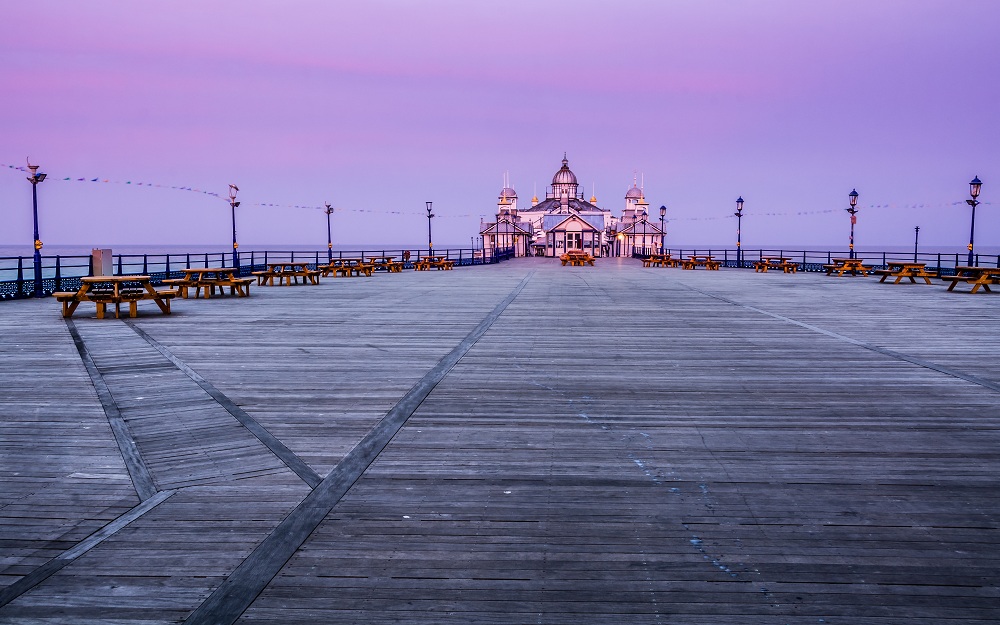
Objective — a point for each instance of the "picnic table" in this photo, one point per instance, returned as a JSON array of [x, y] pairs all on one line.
[[901, 270], [287, 272], [387, 263], [708, 262], [209, 279], [775, 262], [347, 267], [104, 290], [844, 265], [976, 276], [576, 258], [433, 262], [659, 260]]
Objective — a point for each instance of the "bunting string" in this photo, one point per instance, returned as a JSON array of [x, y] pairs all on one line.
[[378, 211], [224, 198]]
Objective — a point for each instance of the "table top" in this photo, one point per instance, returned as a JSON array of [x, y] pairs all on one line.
[[93, 279], [968, 269], [848, 261], [700, 257], [780, 259], [906, 265], [209, 270], [288, 264]]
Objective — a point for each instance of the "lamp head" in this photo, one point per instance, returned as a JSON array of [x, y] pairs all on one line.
[[975, 186], [854, 197], [233, 190], [663, 211], [739, 203], [40, 177]]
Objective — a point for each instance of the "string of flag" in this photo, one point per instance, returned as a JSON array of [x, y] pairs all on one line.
[[379, 211], [224, 198]]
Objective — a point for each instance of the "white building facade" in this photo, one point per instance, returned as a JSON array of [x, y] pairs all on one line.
[[564, 220]]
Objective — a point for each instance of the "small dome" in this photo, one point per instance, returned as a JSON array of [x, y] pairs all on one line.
[[508, 192], [564, 175], [634, 193]]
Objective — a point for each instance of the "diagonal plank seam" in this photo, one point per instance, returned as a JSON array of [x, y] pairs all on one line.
[[238, 591], [275, 446], [875, 348], [54, 565], [142, 479]]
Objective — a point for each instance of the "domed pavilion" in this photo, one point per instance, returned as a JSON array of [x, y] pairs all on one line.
[[565, 220]]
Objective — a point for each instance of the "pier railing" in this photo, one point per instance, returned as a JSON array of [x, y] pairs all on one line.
[[813, 260], [63, 273]]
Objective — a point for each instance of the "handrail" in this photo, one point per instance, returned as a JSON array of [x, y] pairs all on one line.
[[63, 272], [813, 260]]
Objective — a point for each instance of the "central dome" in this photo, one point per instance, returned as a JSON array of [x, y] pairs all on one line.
[[564, 175]]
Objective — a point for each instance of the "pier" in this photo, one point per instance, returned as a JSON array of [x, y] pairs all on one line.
[[512, 443]]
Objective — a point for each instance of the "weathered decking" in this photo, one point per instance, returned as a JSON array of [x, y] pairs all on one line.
[[518, 443]]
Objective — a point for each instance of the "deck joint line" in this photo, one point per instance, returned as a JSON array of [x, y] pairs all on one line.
[[238, 591], [54, 565], [275, 446], [142, 479], [879, 350]]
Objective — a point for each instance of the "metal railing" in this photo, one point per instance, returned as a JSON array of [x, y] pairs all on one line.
[[63, 273], [813, 260]]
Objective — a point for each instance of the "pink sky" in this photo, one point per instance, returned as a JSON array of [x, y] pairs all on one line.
[[380, 106]]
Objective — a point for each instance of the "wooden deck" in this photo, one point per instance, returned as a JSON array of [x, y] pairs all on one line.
[[518, 443]]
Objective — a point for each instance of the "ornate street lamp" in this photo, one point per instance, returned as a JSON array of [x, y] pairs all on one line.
[[663, 232], [430, 215], [853, 210], [329, 234], [34, 179], [974, 187], [739, 222], [233, 189]]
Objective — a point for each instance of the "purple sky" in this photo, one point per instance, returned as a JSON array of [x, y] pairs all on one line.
[[382, 105]]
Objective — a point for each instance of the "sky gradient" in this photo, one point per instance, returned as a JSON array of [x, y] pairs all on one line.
[[377, 107]]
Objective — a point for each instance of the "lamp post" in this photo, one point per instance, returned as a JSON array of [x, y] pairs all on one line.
[[663, 232], [34, 179], [974, 187], [233, 189], [853, 210], [916, 239], [329, 234], [430, 215], [739, 223]]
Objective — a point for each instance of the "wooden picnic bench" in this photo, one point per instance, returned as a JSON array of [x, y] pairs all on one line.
[[855, 266], [708, 262], [904, 270], [433, 262], [976, 276], [775, 262], [104, 290], [659, 260], [210, 279], [287, 273], [577, 258], [347, 267], [389, 264]]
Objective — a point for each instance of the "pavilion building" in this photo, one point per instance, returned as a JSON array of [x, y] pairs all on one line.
[[564, 220]]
